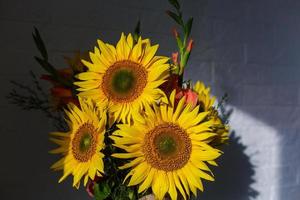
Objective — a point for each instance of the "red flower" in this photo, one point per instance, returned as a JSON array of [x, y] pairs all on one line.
[[61, 95], [171, 84], [90, 186], [190, 96]]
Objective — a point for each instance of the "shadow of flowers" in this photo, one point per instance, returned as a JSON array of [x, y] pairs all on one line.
[[234, 176]]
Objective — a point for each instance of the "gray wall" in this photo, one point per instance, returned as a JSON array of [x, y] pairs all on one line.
[[247, 48]]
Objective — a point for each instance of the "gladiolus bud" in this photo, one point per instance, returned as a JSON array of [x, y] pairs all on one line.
[[175, 58], [190, 45], [175, 33], [190, 96]]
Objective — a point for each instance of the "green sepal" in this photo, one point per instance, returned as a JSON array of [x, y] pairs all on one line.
[[101, 190], [137, 31], [176, 70], [39, 43], [131, 195]]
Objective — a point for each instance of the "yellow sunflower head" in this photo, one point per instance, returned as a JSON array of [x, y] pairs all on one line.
[[221, 129], [81, 145], [206, 102], [170, 151], [124, 78], [205, 99]]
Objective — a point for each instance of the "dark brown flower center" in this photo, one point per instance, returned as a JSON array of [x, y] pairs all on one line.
[[167, 147], [84, 143], [124, 81]]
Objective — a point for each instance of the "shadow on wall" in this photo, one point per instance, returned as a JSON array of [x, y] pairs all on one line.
[[234, 177]]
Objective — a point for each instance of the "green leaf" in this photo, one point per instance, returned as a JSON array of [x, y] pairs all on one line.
[[179, 44], [101, 190], [175, 4], [175, 17], [47, 66], [131, 195], [39, 43], [137, 31], [51, 70], [188, 27], [185, 58]]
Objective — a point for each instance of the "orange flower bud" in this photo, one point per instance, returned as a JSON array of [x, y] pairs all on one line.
[[190, 96], [190, 45], [175, 33], [175, 58]]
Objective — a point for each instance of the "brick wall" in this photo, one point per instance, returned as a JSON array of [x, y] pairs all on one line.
[[247, 48]]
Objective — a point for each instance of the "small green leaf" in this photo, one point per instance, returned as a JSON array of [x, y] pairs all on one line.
[[179, 44], [39, 43], [49, 68], [131, 195], [101, 191], [188, 27], [186, 57], [175, 17], [137, 31], [175, 4]]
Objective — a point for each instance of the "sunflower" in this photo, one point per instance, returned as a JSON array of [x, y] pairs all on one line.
[[206, 102], [81, 145], [169, 151], [124, 78], [204, 98]]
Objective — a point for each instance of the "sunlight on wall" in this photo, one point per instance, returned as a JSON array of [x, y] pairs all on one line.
[[263, 149]]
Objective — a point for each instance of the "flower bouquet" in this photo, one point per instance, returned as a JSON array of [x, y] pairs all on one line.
[[131, 126]]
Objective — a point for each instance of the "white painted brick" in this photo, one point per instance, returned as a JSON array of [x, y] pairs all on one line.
[[230, 53], [33, 10], [275, 116], [262, 53], [199, 71], [270, 95], [16, 35], [289, 192]]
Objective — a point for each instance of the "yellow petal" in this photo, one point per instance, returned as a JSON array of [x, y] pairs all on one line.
[[147, 182], [150, 54], [127, 155], [204, 155], [172, 189], [178, 184], [88, 76], [160, 185], [106, 52], [140, 172], [202, 136], [133, 163], [211, 162], [183, 181], [130, 40]]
